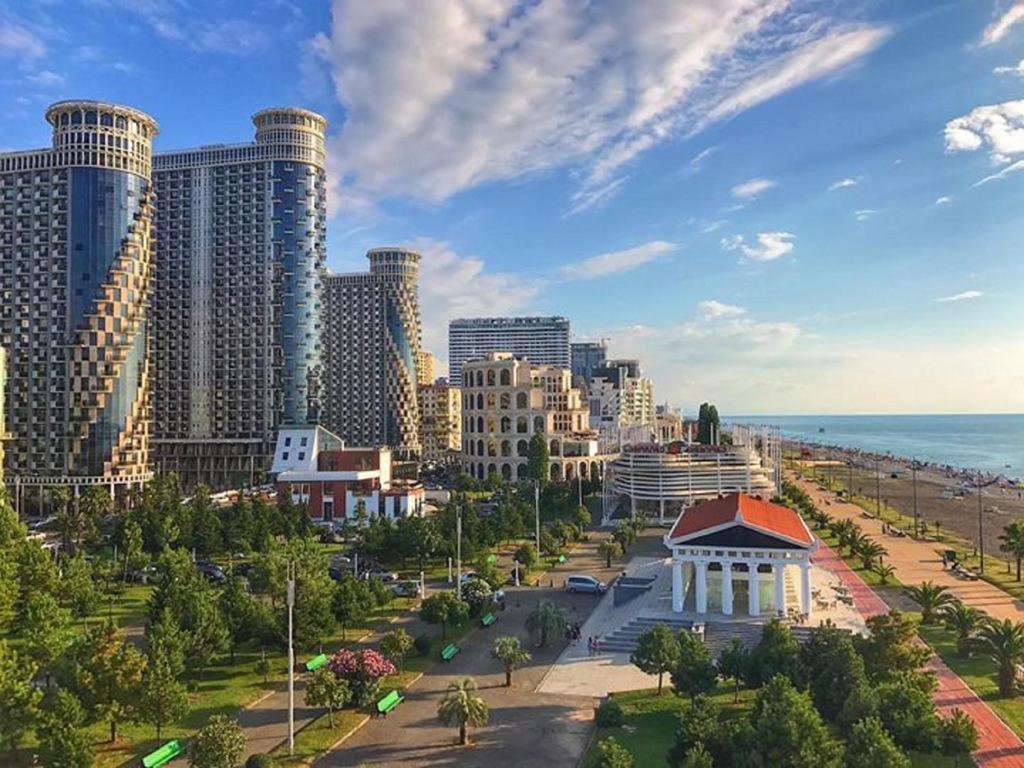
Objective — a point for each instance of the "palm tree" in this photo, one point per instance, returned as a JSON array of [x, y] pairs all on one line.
[[846, 532], [509, 651], [870, 551], [1003, 642], [932, 598], [608, 549], [545, 620], [885, 572], [463, 707], [964, 620], [1012, 542]]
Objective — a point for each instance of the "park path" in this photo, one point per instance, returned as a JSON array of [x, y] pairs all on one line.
[[998, 745], [916, 561]]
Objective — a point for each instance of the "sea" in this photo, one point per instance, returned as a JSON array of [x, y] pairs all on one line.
[[990, 442]]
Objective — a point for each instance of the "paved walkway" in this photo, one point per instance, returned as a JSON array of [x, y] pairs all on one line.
[[998, 745], [917, 561]]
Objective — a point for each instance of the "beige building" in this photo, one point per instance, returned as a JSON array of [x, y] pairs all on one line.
[[426, 368], [668, 424], [440, 421], [506, 401]]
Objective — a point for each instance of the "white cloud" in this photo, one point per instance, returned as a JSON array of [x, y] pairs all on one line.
[[999, 128], [1001, 173], [944, 200], [615, 262], [770, 245], [1017, 70], [46, 78], [965, 296], [713, 309], [864, 214], [19, 42], [465, 92], [998, 29], [698, 161], [752, 188], [713, 226], [590, 197], [453, 285], [842, 184]]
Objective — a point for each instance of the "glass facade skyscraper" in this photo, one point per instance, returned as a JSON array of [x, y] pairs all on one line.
[[76, 256]]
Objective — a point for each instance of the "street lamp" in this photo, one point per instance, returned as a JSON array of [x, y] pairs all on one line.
[[981, 531], [291, 659], [536, 511]]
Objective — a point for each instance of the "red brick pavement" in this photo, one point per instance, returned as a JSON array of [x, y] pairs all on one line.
[[998, 746]]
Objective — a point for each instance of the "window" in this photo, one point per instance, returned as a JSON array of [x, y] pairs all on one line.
[[287, 441], [303, 442], [284, 456], [302, 455]]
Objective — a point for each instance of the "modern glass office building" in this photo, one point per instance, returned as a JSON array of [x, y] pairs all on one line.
[[238, 282], [372, 343], [76, 258]]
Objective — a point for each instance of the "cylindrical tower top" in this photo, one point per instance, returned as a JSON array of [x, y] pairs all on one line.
[[294, 127], [103, 135], [401, 262]]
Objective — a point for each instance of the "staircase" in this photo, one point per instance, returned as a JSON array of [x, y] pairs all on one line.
[[717, 635], [624, 639]]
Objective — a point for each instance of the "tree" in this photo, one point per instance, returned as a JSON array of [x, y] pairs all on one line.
[[63, 742], [789, 732], [907, 711], [110, 680], [395, 645], [239, 612], [964, 620], [207, 531], [37, 573], [733, 662], [609, 548], [1003, 642], [885, 572], [132, 547], [326, 689], [777, 653], [870, 746], [546, 620], [462, 706], [220, 744], [613, 755], [78, 588], [958, 736], [932, 598], [1012, 542], [94, 506], [164, 698], [538, 461], [698, 724], [19, 697], [871, 552], [891, 646], [581, 518], [698, 757], [526, 555], [444, 608], [166, 644], [313, 615], [832, 668], [694, 672], [477, 593], [363, 670], [624, 534], [707, 423], [352, 601], [263, 667], [48, 630], [208, 634], [510, 652], [657, 652]]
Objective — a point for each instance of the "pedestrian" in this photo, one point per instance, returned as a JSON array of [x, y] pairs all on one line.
[[597, 645], [590, 645]]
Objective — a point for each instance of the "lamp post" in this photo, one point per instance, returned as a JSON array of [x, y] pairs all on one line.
[[913, 477], [878, 489], [291, 659], [981, 531], [458, 551], [536, 513]]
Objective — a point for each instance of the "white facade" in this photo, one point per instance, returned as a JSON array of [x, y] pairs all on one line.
[[541, 340]]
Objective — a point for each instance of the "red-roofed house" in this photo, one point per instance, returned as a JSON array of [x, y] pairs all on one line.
[[737, 548]]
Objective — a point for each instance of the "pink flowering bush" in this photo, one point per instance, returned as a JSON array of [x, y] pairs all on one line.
[[363, 669]]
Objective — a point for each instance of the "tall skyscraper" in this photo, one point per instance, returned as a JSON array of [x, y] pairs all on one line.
[[76, 257], [541, 340], [371, 333], [586, 356], [239, 261], [3, 420]]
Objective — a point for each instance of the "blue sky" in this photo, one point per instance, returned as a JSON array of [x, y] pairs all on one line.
[[777, 205]]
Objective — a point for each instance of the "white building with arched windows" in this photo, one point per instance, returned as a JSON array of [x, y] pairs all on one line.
[[506, 401]]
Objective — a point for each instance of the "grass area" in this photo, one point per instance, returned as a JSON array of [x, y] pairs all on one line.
[[870, 576], [650, 722], [979, 673], [127, 609]]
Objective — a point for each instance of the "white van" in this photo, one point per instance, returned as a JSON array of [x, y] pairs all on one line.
[[588, 584]]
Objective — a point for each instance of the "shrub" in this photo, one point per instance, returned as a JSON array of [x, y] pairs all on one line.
[[609, 714], [363, 670], [422, 644], [260, 761]]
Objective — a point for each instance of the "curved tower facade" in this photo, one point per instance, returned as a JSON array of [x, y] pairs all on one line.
[[76, 259], [238, 268]]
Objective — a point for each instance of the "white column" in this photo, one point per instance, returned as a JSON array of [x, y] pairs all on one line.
[[677, 585], [727, 588], [702, 586], [780, 588], [805, 588], [753, 587]]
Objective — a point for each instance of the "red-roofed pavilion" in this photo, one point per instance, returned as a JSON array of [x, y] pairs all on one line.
[[744, 539]]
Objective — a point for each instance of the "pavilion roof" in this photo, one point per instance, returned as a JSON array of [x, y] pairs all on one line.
[[742, 510]]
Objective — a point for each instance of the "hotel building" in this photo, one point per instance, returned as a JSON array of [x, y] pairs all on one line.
[[371, 332], [620, 399], [586, 356], [541, 340], [76, 263], [506, 401], [239, 259], [426, 368], [440, 421]]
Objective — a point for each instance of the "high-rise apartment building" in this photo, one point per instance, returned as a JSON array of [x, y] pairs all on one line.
[[426, 368], [371, 334], [620, 398], [505, 402], [3, 420], [541, 340], [239, 259], [76, 259], [586, 356], [440, 421]]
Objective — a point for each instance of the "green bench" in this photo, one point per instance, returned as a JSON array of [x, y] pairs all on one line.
[[449, 652], [164, 755], [389, 702], [487, 619], [316, 662]]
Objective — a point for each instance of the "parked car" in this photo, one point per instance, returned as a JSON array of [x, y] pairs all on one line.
[[242, 569], [586, 584], [380, 574], [408, 588], [212, 572]]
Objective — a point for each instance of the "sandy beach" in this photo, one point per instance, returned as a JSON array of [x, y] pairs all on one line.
[[936, 486]]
